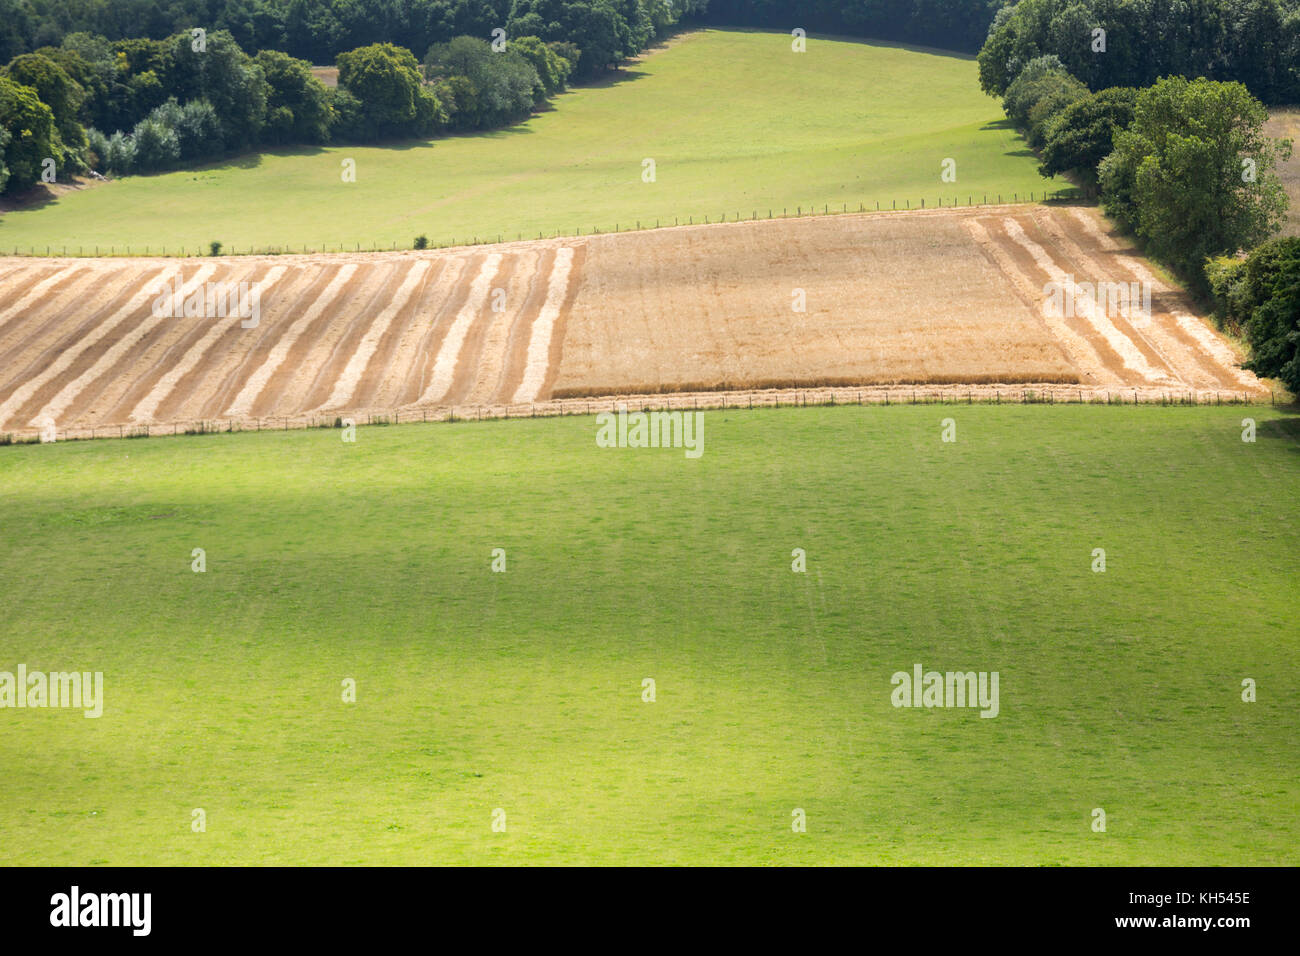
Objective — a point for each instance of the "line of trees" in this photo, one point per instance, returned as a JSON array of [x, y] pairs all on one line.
[[142, 104], [174, 102], [319, 30], [1107, 43], [162, 103], [1184, 165]]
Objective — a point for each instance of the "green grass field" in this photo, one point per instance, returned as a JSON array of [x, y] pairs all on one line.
[[734, 121], [522, 690]]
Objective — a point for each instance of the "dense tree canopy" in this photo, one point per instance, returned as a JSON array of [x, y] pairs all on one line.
[[319, 30], [33, 137], [1043, 88], [1261, 297], [385, 79], [297, 106], [1193, 175], [56, 89], [1083, 133], [221, 73], [1108, 43], [502, 86], [551, 66]]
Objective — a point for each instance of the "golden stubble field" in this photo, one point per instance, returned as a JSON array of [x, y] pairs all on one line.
[[989, 295]]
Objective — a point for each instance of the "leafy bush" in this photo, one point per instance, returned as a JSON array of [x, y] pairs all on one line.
[[1225, 276], [1042, 88], [1055, 93], [1261, 296], [120, 156], [197, 129], [298, 108], [157, 146], [97, 150], [552, 69]]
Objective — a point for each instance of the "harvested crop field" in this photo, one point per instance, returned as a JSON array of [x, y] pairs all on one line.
[[937, 297]]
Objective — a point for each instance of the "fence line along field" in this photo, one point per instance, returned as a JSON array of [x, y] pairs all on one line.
[[845, 300]]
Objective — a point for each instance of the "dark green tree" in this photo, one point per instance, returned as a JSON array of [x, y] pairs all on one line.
[[32, 135], [56, 89], [503, 83], [1083, 133], [385, 81], [1193, 175], [1261, 298], [298, 109], [221, 73]]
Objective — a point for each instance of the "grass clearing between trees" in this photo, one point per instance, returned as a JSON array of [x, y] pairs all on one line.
[[735, 122]]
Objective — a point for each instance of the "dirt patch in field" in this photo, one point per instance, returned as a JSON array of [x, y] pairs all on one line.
[[328, 75]]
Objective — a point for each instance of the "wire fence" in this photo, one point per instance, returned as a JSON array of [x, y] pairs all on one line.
[[637, 225], [1049, 394]]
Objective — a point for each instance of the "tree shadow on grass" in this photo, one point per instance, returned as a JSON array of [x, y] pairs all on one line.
[[37, 197], [607, 80], [1006, 126], [42, 195], [815, 34], [1284, 430], [253, 158]]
